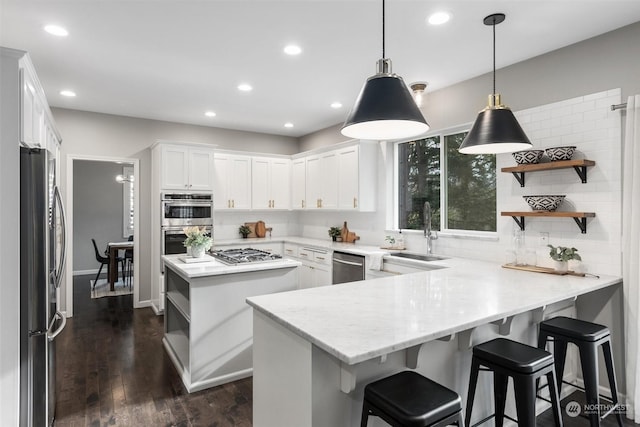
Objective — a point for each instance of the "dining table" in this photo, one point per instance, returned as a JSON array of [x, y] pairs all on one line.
[[114, 247]]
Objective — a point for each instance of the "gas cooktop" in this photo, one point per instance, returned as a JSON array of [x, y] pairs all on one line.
[[241, 256]]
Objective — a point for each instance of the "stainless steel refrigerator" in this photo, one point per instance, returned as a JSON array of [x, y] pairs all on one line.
[[42, 258]]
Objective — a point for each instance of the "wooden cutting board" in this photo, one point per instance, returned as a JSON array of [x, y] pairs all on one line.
[[261, 229], [542, 270]]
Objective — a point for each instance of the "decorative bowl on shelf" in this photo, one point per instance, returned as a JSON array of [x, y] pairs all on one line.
[[560, 153], [528, 157], [544, 203]]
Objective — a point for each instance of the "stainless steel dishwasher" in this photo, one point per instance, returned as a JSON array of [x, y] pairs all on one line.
[[347, 267]]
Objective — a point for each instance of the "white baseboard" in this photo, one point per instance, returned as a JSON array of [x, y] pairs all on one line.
[[93, 271], [143, 304]]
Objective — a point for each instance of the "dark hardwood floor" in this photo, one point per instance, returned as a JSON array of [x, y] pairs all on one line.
[[113, 371]]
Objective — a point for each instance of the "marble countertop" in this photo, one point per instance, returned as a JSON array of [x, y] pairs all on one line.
[[363, 320], [216, 268]]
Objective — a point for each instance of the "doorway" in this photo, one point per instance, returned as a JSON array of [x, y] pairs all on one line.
[[103, 203]]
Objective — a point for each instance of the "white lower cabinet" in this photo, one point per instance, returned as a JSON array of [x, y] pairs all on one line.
[[316, 265]]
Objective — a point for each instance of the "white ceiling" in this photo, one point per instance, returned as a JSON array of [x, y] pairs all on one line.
[[174, 60]]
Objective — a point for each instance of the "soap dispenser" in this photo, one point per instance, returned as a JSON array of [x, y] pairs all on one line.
[[400, 240]]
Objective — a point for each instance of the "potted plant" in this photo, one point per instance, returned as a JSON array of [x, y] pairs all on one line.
[[244, 230], [335, 232], [562, 255], [197, 241]]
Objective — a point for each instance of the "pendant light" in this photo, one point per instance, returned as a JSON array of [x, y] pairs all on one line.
[[496, 129], [385, 109]]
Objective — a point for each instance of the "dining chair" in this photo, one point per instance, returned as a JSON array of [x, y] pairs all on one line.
[[104, 259], [128, 258]]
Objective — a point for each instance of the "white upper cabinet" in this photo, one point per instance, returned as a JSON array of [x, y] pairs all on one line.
[[37, 129], [232, 189], [348, 165], [200, 169], [186, 168], [341, 179], [270, 181], [298, 183], [322, 181]]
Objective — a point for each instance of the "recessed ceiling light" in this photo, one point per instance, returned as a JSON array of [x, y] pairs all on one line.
[[56, 30], [244, 87], [292, 49], [288, 125], [68, 93], [336, 105], [210, 114], [439, 18]]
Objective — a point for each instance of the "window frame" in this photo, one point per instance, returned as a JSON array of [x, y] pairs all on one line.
[[444, 232]]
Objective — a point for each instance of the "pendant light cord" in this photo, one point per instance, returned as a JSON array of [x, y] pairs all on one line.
[[383, 57], [494, 55]]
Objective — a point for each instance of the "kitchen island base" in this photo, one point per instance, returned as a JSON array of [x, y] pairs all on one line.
[[307, 380], [297, 383], [208, 326]]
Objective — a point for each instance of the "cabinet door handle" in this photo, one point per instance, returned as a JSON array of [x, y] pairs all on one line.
[[302, 203], [228, 203], [273, 203], [355, 202], [320, 257], [233, 203]]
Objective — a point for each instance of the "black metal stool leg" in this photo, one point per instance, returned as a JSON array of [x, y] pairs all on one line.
[[473, 379], [525, 393], [555, 397], [365, 414], [559, 358], [500, 382], [589, 362], [608, 361]]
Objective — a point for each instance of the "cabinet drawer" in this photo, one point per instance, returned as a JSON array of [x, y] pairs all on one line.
[[291, 250], [322, 257], [305, 253]]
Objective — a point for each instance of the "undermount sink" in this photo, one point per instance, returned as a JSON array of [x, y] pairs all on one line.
[[417, 257]]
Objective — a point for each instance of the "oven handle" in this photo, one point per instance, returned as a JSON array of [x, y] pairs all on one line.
[[179, 230], [187, 204]]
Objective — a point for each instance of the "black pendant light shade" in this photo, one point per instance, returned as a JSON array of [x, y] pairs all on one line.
[[496, 129], [384, 110]]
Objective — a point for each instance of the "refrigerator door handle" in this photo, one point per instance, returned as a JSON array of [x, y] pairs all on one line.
[[52, 335], [63, 237]]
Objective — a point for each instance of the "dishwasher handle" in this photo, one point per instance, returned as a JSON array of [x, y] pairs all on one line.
[[357, 264]]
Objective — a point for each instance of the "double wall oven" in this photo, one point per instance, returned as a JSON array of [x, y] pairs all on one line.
[[182, 210]]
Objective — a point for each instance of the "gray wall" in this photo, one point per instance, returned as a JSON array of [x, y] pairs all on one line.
[[104, 135], [608, 61], [97, 210]]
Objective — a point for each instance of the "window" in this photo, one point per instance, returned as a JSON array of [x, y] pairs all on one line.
[[460, 188]]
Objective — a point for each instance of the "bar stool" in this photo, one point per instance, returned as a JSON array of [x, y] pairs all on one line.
[[525, 365], [407, 399], [588, 337]]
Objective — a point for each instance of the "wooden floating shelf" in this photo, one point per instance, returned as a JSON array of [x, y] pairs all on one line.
[[579, 165], [579, 217]]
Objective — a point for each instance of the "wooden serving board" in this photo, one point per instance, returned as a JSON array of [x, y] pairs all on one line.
[[542, 270]]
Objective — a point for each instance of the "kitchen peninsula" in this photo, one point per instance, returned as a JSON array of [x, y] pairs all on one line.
[[315, 349], [208, 327]]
